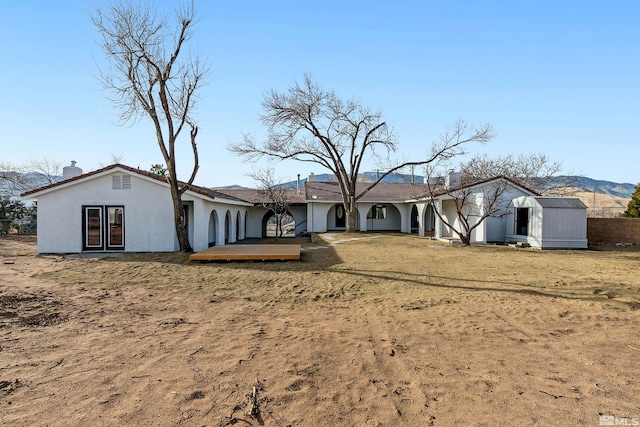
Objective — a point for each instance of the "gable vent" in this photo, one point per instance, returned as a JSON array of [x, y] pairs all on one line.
[[121, 182]]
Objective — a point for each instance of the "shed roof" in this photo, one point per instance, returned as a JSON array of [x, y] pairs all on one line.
[[560, 202]]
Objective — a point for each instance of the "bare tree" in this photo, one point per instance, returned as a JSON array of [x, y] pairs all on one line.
[[273, 195], [310, 124], [113, 159], [478, 191], [535, 171], [47, 170], [13, 180], [151, 75]]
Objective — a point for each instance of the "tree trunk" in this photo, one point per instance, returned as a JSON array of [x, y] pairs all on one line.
[[465, 237], [278, 226], [351, 212], [180, 222]]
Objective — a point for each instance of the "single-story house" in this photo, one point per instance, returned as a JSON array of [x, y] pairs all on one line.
[[120, 208], [124, 209]]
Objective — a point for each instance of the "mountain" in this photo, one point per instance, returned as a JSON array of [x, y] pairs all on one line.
[[231, 187], [394, 178], [12, 184], [600, 186]]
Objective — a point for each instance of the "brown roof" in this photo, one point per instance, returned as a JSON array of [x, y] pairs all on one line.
[[313, 191], [441, 190], [257, 197], [195, 188], [382, 192]]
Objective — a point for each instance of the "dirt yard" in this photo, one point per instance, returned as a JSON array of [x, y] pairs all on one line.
[[366, 330]]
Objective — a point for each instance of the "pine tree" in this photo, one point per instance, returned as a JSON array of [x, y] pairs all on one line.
[[633, 208]]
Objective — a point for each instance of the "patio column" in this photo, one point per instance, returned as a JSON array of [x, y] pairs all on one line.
[[438, 228], [421, 207], [363, 210]]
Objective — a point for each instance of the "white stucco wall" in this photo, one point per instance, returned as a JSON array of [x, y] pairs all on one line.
[[492, 229], [317, 216], [148, 215], [299, 213]]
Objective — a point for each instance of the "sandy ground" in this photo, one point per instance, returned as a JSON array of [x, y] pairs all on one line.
[[366, 330]]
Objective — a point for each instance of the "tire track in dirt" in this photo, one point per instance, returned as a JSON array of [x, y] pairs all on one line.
[[408, 396]]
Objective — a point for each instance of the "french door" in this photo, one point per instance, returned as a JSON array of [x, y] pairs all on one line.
[[103, 228]]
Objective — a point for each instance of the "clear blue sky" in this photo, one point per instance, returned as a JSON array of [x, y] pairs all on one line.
[[560, 77]]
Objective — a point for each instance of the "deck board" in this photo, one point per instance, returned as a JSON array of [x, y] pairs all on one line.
[[259, 252]]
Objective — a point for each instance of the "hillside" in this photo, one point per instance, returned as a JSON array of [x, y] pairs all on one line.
[[600, 186], [582, 184], [602, 205]]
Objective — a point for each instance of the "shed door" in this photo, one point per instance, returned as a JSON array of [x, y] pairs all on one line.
[[522, 221]]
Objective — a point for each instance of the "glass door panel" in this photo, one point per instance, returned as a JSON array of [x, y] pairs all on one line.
[[115, 228], [93, 228]]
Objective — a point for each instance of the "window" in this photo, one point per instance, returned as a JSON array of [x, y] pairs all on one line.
[[121, 182], [522, 221], [377, 212]]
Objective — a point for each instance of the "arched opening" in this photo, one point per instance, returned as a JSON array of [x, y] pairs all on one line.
[[429, 221], [415, 225], [246, 215], [384, 217], [270, 227], [213, 228], [336, 217]]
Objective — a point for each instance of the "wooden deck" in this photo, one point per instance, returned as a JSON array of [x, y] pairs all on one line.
[[274, 252]]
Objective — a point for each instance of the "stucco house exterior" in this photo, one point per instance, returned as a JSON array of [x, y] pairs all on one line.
[[385, 207], [120, 208], [409, 208], [124, 209]]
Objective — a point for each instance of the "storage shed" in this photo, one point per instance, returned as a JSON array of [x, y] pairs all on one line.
[[548, 222]]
